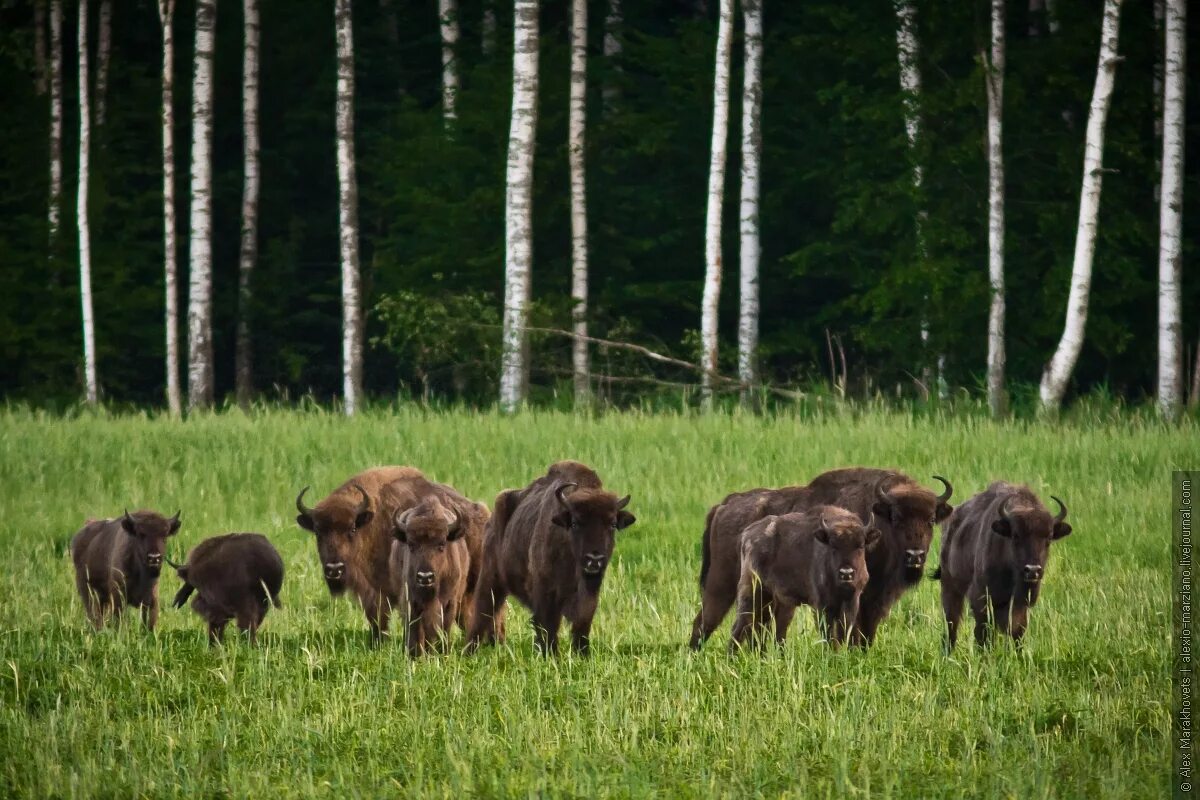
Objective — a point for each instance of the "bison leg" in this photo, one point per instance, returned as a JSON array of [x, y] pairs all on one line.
[[784, 612], [981, 609], [93, 603], [249, 617], [487, 620], [150, 609], [216, 629], [414, 639], [714, 605], [753, 606], [547, 618], [952, 608], [1012, 618]]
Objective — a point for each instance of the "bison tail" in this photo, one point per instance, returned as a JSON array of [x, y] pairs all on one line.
[[182, 596], [705, 546], [936, 575]]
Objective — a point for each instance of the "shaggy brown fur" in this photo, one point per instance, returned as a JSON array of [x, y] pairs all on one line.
[[238, 576], [816, 558], [117, 563], [994, 553], [549, 545]]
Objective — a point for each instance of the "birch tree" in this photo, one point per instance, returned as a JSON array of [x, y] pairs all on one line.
[[352, 322], [750, 249], [1058, 370], [200, 366], [39, 46], [994, 78], [166, 13], [448, 25], [81, 212], [1170, 345], [243, 356], [103, 57], [518, 217], [577, 126], [716, 190], [54, 217]]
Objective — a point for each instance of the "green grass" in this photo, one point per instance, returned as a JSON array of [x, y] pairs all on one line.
[[315, 711]]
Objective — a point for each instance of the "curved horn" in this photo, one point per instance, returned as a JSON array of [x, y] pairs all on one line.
[[176, 517], [870, 522], [1005, 514], [944, 497], [365, 504], [303, 509], [453, 519], [559, 492], [1062, 510], [400, 518], [825, 524], [881, 492]]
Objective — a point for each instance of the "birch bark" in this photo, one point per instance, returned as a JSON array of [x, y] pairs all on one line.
[[200, 366], [1170, 251], [577, 127], [248, 255], [166, 13], [352, 322], [994, 75], [81, 212], [750, 250]]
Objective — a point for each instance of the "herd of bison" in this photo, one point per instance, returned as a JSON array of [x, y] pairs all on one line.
[[848, 544]]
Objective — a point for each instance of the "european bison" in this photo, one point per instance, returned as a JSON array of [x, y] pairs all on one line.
[[816, 558], [905, 513], [117, 563], [431, 561], [238, 576], [549, 545], [994, 552]]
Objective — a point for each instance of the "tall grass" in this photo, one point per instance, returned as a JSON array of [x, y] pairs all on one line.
[[315, 711]]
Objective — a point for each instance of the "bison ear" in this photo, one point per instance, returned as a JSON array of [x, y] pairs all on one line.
[[456, 533], [175, 522], [943, 510], [882, 509], [1061, 530], [821, 535], [624, 520], [1002, 527], [873, 535], [562, 519], [128, 525], [363, 519], [305, 521]]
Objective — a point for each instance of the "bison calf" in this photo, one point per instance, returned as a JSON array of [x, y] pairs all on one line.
[[994, 554], [117, 563], [431, 561], [237, 576], [816, 558]]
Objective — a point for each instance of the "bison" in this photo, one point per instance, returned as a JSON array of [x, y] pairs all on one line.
[[905, 513], [238, 576], [815, 558], [994, 553], [549, 545], [117, 563]]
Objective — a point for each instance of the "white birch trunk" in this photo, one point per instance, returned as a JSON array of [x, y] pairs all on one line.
[[352, 323], [243, 357], [166, 13], [39, 45], [1062, 363], [200, 366], [103, 56], [716, 191], [612, 52], [994, 75], [488, 30], [1160, 13], [56, 123], [448, 25], [85, 241], [577, 127], [749, 248], [514, 374], [1170, 250]]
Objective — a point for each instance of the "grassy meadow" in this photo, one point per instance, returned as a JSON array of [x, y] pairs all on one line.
[[314, 710]]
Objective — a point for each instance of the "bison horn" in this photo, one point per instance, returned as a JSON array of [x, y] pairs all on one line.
[[400, 519], [303, 509], [365, 504], [883, 495], [825, 524], [944, 497], [1062, 510], [870, 522], [453, 519], [560, 492], [1005, 512]]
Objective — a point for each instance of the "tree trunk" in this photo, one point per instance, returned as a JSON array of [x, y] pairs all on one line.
[[1170, 251], [56, 124], [577, 127], [243, 357], [612, 53], [750, 249], [1194, 395], [994, 76], [514, 375], [448, 24], [488, 35], [166, 13], [1160, 13], [200, 366], [85, 242], [39, 46], [352, 322], [103, 56], [1059, 368], [716, 190]]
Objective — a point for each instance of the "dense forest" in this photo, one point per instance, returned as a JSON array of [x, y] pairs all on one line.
[[865, 273]]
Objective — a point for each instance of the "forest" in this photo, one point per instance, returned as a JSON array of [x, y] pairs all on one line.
[[874, 229]]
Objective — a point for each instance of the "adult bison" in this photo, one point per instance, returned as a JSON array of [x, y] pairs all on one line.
[[549, 545], [905, 513], [237, 576], [117, 563], [994, 553], [815, 558]]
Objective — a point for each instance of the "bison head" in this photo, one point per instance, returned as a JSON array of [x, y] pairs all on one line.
[[1030, 531], [846, 540], [911, 511], [335, 524], [592, 518], [150, 531], [425, 530]]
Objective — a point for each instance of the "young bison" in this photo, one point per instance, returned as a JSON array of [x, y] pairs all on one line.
[[117, 563], [994, 553], [431, 561], [238, 576], [816, 558], [549, 545]]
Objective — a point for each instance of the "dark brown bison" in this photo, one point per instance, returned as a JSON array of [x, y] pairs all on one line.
[[905, 513], [994, 552], [431, 561], [117, 563], [237, 576], [816, 558], [549, 545]]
